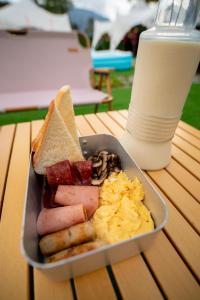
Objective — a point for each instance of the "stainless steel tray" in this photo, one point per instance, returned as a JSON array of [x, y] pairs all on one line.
[[105, 255]]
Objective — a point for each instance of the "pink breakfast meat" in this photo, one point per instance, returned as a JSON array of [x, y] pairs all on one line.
[[84, 171], [49, 196], [55, 219], [60, 173], [72, 194]]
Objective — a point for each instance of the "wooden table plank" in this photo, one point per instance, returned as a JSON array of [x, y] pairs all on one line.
[[115, 115], [96, 124], [186, 204], [115, 129], [185, 178], [6, 140], [185, 239], [108, 122], [187, 148], [83, 126], [189, 163], [14, 270], [195, 132], [169, 269], [188, 137], [188, 244], [132, 275], [94, 286], [45, 288], [124, 113]]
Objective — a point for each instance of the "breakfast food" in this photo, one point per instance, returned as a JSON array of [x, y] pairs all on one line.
[[75, 194], [103, 164], [54, 219], [66, 172], [36, 141], [57, 140], [83, 171], [85, 203], [75, 251], [66, 238], [121, 214], [59, 173]]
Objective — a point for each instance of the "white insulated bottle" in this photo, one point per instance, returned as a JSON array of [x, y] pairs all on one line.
[[167, 59]]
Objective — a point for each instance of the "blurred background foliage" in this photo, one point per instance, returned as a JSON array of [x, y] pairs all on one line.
[[55, 6]]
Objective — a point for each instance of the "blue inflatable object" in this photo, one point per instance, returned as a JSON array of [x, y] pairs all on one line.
[[118, 60]]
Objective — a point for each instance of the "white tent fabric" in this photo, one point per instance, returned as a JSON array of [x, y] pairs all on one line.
[[107, 8], [100, 28], [149, 21], [26, 14], [140, 13]]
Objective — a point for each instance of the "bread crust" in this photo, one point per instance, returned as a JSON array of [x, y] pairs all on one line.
[[41, 134], [36, 141]]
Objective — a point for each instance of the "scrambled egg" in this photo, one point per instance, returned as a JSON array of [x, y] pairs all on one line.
[[121, 214]]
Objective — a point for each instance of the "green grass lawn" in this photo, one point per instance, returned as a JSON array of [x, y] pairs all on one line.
[[121, 82]]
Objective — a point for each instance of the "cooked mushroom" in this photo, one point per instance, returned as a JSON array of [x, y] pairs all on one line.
[[97, 163], [101, 179], [104, 163], [116, 169], [103, 152], [99, 171]]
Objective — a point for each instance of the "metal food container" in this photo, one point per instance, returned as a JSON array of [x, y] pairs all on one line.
[[106, 255]]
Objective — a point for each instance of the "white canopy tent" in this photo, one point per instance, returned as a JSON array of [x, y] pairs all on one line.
[[140, 13], [26, 14], [143, 14], [100, 28]]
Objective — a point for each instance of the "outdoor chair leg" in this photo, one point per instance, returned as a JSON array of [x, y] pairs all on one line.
[[110, 106], [96, 108]]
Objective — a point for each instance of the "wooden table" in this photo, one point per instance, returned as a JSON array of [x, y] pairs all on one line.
[[169, 269]]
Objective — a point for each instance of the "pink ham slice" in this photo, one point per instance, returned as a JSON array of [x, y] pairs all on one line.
[[55, 219], [49, 196], [72, 194]]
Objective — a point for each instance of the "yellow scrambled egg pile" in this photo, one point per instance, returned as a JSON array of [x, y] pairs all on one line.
[[121, 214]]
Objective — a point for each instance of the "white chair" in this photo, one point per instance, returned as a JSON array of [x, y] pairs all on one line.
[[35, 65]]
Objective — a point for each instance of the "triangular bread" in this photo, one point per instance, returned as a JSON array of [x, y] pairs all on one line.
[[40, 134], [56, 142], [63, 103]]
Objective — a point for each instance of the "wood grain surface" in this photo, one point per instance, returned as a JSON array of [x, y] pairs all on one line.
[[169, 269]]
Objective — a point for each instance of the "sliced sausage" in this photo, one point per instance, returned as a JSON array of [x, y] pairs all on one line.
[[66, 238], [84, 171], [75, 251], [60, 173]]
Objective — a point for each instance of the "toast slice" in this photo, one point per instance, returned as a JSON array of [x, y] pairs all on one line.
[[36, 141], [57, 139], [64, 105]]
